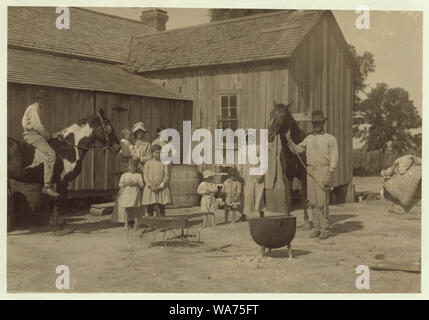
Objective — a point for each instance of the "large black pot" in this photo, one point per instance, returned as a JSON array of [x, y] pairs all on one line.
[[273, 232]]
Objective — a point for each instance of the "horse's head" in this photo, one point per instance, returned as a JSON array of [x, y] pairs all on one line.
[[279, 120], [106, 134]]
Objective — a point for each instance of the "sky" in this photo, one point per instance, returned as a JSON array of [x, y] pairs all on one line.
[[394, 37]]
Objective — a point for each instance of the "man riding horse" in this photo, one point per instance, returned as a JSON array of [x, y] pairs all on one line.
[[36, 135], [41, 159]]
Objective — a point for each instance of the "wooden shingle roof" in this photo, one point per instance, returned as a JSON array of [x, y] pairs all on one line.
[[28, 67], [254, 38], [91, 35]]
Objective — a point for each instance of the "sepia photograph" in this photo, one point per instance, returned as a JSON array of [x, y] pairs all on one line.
[[213, 150]]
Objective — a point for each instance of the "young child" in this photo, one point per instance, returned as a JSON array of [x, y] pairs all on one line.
[[231, 190], [130, 193], [207, 189], [156, 177]]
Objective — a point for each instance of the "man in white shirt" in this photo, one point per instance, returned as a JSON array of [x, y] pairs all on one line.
[[322, 158], [36, 135]]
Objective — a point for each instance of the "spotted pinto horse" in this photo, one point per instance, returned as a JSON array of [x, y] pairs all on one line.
[[25, 163]]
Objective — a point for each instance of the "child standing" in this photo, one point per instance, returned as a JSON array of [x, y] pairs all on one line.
[[156, 177], [231, 189], [130, 193], [207, 189]]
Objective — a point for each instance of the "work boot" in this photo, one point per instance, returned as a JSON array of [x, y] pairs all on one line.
[[315, 234], [324, 235], [49, 192]]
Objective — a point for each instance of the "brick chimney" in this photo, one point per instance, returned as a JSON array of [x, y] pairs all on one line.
[[155, 18]]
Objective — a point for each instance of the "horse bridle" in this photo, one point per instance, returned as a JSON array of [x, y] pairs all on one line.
[[105, 126]]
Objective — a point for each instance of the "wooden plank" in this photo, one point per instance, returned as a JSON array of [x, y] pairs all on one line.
[[112, 160], [100, 155], [134, 110], [87, 176], [212, 99], [385, 265], [76, 108], [12, 109]]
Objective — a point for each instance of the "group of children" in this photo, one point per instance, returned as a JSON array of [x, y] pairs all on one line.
[[143, 185], [237, 199]]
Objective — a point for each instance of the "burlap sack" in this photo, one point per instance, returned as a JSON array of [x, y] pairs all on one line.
[[403, 187]]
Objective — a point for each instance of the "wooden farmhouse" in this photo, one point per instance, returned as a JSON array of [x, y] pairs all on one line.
[[249, 64], [139, 72]]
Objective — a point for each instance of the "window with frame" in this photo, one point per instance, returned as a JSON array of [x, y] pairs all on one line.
[[228, 117], [229, 104]]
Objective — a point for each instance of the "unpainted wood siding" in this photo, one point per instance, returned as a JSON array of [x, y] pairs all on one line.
[[100, 168], [321, 78]]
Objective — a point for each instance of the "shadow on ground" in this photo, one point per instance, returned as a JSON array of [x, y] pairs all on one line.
[[345, 227], [283, 253]]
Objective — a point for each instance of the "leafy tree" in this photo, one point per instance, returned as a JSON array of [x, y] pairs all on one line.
[[389, 114], [366, 64], [224, 14]]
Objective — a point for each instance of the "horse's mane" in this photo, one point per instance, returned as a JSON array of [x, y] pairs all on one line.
[[93, 120], [296, 133]]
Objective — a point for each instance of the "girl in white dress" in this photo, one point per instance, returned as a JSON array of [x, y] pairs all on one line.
[[207, 189], [130, 193], [156, 178]]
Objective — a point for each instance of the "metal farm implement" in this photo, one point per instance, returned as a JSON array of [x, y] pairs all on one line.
[[166, 229]]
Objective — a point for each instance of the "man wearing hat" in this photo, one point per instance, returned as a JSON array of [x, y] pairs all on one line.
[[322, 158], [36, 135]]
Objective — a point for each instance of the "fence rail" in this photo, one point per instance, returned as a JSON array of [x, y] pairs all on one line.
[[374, 161]]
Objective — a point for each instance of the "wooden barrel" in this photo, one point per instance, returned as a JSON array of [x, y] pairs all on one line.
[[184, 181], [27, 197]]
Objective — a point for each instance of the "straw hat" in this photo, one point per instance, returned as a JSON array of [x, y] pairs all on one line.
[[207, 174], [139, 126]]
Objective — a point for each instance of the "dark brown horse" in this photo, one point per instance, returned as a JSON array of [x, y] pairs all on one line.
[[26, 165], [280, 122]]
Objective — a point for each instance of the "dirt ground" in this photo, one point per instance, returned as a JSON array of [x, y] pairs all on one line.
[[102, 259]]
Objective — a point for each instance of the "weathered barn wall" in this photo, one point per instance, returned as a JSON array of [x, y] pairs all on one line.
[[100, 168]]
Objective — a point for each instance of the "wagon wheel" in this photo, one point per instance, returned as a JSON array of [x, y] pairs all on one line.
[[192, 234], [170, 235], [142, 237], [131, 237], [145, 236]]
